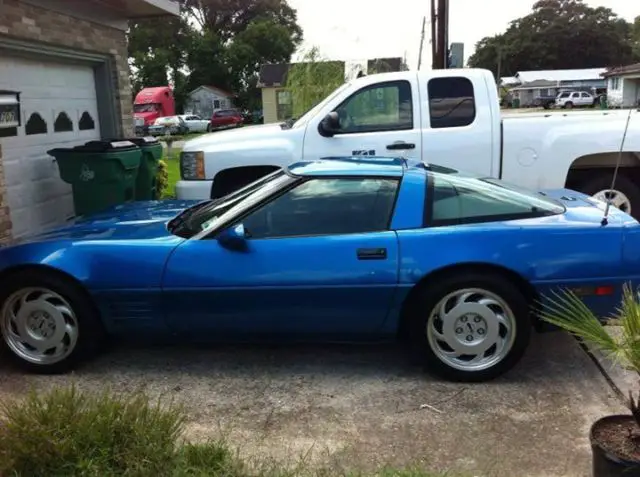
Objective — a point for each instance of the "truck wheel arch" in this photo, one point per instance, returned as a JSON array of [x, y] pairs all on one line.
[[234, 178]]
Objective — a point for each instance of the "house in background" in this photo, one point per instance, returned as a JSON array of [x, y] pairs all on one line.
[[276, 100], [68, 61], [204, 100], [548, 83], [623, 86]]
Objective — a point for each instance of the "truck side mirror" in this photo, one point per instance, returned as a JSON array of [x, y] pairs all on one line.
[[330, 125]]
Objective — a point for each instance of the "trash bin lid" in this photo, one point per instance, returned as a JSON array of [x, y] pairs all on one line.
[[106, 146]]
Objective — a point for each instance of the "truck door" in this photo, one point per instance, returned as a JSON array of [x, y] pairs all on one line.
[[461, 125], [379, 119]]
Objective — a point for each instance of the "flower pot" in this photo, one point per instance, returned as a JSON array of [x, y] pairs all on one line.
[[614, 452]]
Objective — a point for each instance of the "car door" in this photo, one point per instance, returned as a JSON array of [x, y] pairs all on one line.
[[586, 99], [319, 260], [381, 119]]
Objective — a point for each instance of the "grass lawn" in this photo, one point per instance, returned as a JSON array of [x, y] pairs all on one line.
[[173, 169]]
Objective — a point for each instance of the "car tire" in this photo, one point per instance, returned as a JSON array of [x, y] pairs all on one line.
[[498, 317], [624, 185], [209, 128], [568, 105], [59, 314]]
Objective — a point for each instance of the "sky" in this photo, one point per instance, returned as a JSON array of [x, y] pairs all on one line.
[[354, 30]]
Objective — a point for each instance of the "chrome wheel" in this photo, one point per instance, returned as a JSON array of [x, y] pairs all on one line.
[[471, 329], [39, 326], [617, 198]]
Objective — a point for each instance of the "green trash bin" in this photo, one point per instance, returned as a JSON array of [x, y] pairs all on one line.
[[101, 173], [516, 103], [151, 155]]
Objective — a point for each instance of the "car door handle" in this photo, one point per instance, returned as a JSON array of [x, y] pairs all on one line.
[[372, 253], [397, 146]]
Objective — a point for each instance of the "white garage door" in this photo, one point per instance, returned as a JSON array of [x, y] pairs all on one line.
[[59, 109]]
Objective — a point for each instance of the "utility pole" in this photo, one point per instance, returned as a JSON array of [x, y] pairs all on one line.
[[440, 62], [434, 43], [424, 21], [499, 72]]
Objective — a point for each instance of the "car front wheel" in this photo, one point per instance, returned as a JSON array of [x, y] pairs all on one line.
[[472, 327], [47, 324]]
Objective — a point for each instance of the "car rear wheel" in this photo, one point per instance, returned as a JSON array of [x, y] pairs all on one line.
[[472, 327], [47, 324]]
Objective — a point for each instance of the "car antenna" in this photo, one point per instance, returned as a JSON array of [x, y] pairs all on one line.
[[605, 219]]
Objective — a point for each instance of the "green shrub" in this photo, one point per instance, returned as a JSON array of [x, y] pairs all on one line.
[[162, 178]]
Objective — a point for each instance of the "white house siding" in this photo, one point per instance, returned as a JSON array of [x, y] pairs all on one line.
[[623, 92]]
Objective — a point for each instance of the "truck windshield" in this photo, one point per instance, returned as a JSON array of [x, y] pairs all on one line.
[[302, 120], [145, 108]]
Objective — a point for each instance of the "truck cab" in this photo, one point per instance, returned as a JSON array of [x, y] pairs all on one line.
[[448, 117], [151, 104]]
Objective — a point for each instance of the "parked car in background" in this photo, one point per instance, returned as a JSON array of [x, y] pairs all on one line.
[[577, 99], [451, 116], [169, 125], [342, 249], [226, 118], [195, 123], [546, 102]]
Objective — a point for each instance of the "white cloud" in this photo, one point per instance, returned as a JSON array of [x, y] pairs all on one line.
[[359, 29]]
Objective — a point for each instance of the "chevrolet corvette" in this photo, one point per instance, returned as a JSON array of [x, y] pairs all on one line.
[[453, 265]]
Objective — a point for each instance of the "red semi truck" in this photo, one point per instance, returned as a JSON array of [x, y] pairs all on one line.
[[151, 104]]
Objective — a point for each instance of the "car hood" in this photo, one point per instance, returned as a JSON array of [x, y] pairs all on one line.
[[246, 133], [133, 221]]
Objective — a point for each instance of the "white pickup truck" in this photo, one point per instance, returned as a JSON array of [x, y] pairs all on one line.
[[446, 117]]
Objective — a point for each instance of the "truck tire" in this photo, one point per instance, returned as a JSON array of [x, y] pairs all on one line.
[[487, 318], [625, 194]]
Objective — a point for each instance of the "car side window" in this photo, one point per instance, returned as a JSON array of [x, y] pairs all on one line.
[[458, 201], [451, 102], [379, 107], [326, 206]]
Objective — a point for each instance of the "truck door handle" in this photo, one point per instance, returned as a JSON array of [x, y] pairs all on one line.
[[400, 145], [372, 254]]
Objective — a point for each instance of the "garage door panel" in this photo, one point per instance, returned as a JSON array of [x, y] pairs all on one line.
[[37, 197]]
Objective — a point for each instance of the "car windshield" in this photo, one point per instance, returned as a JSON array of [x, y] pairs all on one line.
[[145, 108], [207, 214]]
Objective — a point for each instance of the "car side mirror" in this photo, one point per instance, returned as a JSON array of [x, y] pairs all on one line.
[[330, 125], [233, 238]]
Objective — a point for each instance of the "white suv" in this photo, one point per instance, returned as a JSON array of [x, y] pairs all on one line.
[[569, 99]]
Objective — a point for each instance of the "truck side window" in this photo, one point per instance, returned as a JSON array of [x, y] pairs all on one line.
[[451, 102], [379, 107]]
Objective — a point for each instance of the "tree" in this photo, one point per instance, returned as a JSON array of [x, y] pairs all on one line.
[[635, 39], [557, 34], [312, 80], [221, 43]]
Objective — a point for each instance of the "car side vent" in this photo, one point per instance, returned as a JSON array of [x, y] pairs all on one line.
[[568, 199]]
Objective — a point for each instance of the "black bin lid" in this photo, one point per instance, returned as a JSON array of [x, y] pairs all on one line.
[[106, 146]]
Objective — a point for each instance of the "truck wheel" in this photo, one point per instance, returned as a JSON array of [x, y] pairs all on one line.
[[470, 326], [47, 323], [625, 195]]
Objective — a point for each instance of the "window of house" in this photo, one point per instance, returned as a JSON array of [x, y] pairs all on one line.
[[216, 104], [284, 105], [460, 200], [326, 206], [379, 107], [451, 102]]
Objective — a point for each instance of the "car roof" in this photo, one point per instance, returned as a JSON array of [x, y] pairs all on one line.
[[350, 166]]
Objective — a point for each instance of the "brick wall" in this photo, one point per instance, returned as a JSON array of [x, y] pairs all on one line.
[[28, 22]]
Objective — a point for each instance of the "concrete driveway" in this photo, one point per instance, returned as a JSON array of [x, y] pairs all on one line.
[[344, 406]]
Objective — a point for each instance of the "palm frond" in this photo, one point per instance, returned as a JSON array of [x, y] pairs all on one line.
[[566, 311]]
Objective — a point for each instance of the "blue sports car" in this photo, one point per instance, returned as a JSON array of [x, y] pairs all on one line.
[[339, 249]]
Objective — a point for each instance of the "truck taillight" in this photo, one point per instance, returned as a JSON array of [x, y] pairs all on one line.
[[192, 165]]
